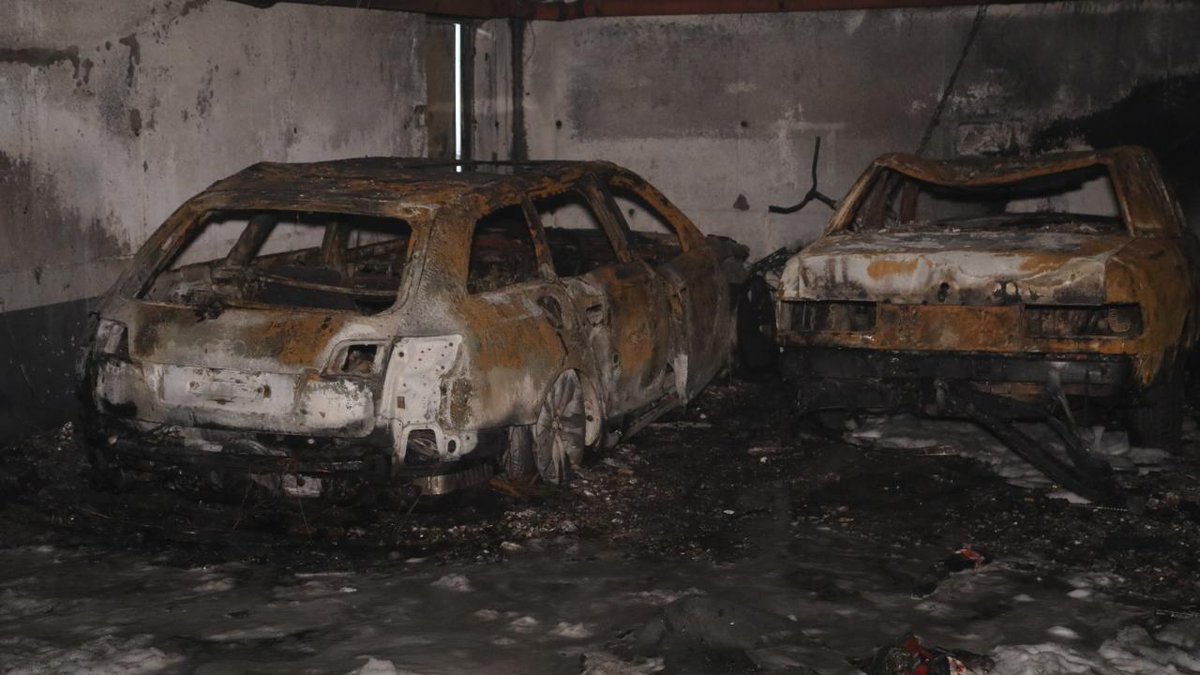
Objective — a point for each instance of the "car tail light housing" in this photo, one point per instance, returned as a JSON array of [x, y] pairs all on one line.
[[808, 316], [357, 358], [422, 447], [1063, 321], [112, 338]]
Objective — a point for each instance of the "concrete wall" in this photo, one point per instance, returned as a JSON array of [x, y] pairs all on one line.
[[721, 112], [111, 115]]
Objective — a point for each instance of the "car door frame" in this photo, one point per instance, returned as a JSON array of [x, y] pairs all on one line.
[[701, 344], [616, 306], [532, 353]]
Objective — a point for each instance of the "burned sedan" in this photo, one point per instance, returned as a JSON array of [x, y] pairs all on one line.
[[1068, 280], [398, 326]]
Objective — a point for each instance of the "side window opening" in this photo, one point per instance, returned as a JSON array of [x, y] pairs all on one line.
[[287, 258], [577, 240], [651, 236], [502, 251]]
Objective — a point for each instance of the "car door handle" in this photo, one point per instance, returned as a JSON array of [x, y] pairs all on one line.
[[553, 311]]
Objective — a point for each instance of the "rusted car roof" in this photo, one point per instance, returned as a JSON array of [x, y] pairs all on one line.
[[414, 181], [984, 171], [1147, 206]]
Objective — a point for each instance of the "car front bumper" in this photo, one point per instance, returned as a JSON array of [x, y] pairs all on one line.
[[864, 379]]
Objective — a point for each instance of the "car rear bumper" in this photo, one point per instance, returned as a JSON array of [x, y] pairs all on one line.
[[232, 398], [832, 378], [213, 461]]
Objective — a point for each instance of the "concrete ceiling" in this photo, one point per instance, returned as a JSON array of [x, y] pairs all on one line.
[[558, 10]]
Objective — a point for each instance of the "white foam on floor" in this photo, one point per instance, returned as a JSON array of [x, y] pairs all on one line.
[[939, 436], [572, 631], [1046, 659], [108, 655], [1133, 651], [454, 582]]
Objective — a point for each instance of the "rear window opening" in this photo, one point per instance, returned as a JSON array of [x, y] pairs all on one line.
[[330, 261], [1081, 201]]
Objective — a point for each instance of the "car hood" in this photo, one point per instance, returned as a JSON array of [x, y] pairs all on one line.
[[953, 267]]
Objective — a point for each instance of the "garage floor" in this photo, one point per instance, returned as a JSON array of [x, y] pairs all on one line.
[[731, 515]]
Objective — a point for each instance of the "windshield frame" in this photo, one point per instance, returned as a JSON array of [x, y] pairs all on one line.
[[890, 189], [1144, 200]]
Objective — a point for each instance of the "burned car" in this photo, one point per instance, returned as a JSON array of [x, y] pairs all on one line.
[[390, 324], [1067, 279]]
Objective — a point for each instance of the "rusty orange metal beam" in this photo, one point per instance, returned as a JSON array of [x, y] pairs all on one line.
[[558, 10]]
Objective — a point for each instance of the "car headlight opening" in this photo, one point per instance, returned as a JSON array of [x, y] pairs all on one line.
[[1060, 321]]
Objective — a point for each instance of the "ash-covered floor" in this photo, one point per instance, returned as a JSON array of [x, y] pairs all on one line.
[[732, 538]]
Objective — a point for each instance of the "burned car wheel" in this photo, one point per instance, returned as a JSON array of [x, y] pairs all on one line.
[[559, 433], [517, 462], [1159, 423]]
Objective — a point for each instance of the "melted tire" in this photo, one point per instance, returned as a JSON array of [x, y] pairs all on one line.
[[518, 461]]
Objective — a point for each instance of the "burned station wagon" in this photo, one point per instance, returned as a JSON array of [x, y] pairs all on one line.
[[1061, 278], [330, 327]]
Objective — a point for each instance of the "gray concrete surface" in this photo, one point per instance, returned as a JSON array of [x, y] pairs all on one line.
[[114, 117], [111, 116], [720, 108]]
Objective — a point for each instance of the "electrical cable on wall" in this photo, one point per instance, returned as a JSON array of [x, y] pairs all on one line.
[[962, 57], [813, 193]]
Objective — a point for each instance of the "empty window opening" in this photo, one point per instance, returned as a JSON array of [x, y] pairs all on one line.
[[502, 252], [1081, 201], [300, 259], [651, 236], [578, 243]]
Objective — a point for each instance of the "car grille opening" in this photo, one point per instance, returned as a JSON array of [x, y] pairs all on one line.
[[851, 317]]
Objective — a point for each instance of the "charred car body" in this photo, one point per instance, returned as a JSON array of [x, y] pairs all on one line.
[[1048, 279], [386, 322]]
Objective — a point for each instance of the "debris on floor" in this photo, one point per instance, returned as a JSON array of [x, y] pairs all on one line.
[[965, 558], [817, 553], [910, 656], [934, 437], [705, 634]]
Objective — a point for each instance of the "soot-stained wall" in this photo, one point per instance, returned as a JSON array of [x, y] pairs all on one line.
[[112, 115], [722, 112]]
